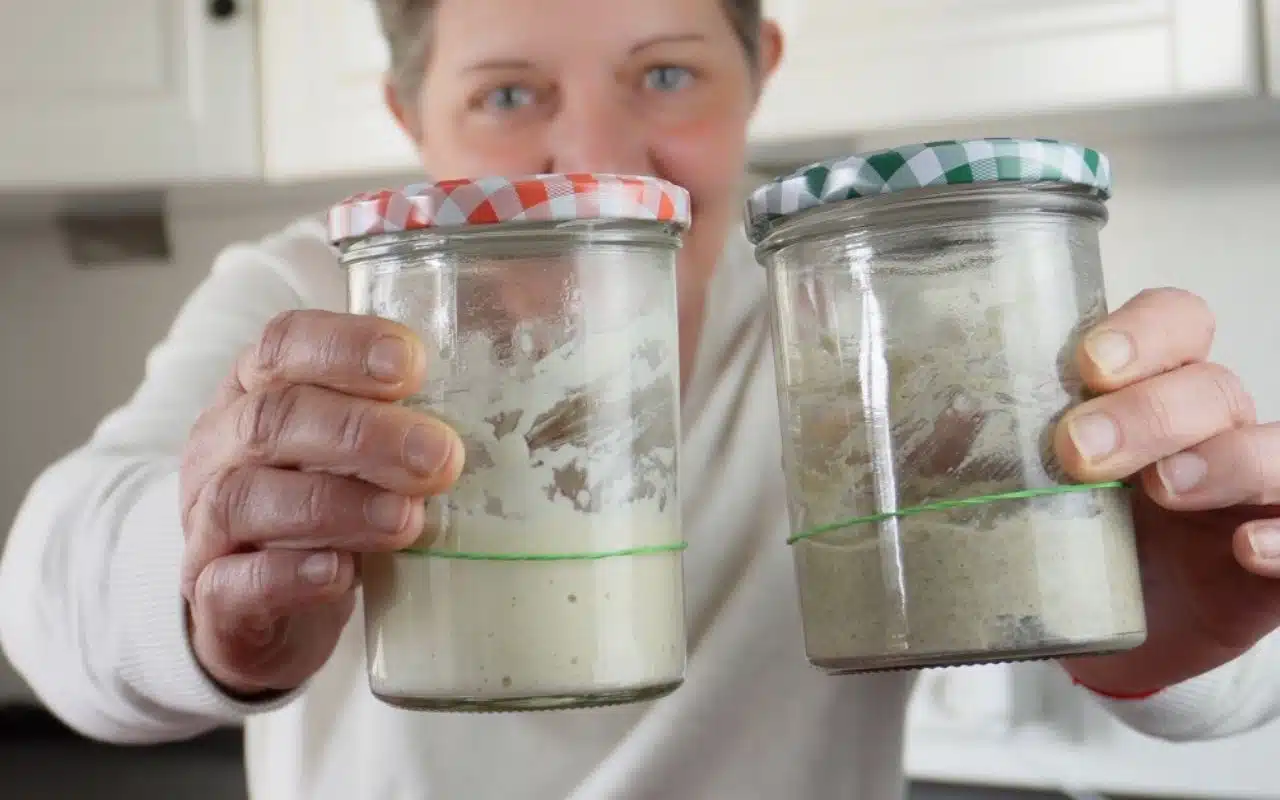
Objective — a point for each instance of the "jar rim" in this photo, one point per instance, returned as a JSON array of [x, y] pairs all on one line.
[[518, 237], [932, 207]]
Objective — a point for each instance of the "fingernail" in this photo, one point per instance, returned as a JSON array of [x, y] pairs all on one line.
[[387, 512], [1182, 472], [1094, 435], [1110, 351], [1265, 541], [389, 359], [319, 568], [427, 449]]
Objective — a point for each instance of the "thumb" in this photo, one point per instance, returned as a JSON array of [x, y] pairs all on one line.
[[268, 620]]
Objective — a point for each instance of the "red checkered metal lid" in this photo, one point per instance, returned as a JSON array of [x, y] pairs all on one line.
[[492, 200]]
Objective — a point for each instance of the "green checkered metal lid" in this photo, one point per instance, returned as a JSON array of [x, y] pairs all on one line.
[[933, 164]]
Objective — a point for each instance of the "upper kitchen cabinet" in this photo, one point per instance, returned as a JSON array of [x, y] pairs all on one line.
[[875, 65], [1271, 33], [145, 92], [322, 76]]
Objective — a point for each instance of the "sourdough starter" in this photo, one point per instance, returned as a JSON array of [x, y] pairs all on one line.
[[959, 403], [571, 445]]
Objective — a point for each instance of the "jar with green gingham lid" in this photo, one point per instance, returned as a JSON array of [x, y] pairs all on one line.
[[550, 575], [927, 304]]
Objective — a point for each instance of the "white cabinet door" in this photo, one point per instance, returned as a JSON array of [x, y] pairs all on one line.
[[323, 111], [137, 92], [1271, 42], [869, 65]]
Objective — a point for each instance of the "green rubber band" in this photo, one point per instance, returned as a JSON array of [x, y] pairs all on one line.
[[945, 505], [647, 550]]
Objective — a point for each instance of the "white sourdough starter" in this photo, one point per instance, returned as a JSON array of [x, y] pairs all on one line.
[[949, 388], [571, 448]]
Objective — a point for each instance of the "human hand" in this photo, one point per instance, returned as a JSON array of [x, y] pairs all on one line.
[[303, 461], [1207, 485]]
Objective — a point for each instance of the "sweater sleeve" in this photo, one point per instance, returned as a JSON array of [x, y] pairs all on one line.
[[1237, 697], [90, 611]]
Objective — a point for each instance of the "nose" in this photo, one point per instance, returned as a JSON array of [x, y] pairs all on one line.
[[597, 131]]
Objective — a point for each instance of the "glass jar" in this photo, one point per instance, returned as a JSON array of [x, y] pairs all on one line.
[[928, 302], [550, 576]]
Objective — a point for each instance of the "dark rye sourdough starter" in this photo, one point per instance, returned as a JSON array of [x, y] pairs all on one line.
[[963, 407]]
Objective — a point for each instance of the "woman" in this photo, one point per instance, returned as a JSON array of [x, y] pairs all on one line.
[[192, 564]]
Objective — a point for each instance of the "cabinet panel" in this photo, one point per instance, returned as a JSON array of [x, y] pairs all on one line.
[[878, 64], [150, 91], [322, 93], [1271, 43], [124, 67]]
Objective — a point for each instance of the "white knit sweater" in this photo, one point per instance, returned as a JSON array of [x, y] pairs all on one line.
[[91, 616]]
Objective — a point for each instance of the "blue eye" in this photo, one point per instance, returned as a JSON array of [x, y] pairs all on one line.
[[668, 79], [509, 98]]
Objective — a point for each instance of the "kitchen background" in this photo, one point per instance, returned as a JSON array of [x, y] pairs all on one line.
[[165, 129]]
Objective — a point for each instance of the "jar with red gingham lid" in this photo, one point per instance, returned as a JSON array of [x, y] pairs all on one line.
[[550, 575]]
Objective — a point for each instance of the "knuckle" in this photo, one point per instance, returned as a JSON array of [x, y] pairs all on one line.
[[1158, 417], [1258, 476], [208, 592], [198, 446], [206, 422], [227, 494], [316, 502], [258, 579], [1167, 295], [264, 418], [357, 427], [346, 341], [273, 345], [1197, 313], [189, 577], [1196, 303], [1152, 294], [351, 333], [1181, 311], [188, 483], [256, 425], [1229, 391], [208, 521], [1158, 298]]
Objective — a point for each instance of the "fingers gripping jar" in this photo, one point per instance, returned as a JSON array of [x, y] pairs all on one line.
[[550, 576], [927, 306]]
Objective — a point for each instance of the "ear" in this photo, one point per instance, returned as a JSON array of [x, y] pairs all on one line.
[[771, 47], [407, 120]]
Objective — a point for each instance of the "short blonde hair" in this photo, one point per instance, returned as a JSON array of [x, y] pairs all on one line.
[[406, 24]]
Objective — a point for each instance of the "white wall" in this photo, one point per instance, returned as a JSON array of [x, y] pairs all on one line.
[[1205, 215], [1199, 213], [72, 342]]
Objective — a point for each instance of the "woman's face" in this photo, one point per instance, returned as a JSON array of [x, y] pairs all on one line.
[[648, 87]]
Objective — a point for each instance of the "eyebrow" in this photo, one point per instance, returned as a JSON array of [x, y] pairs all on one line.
[[499, 63], [521, 63], [668, 38]]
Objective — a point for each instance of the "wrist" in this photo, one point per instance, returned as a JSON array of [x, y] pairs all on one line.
[[1116, 694], [1099, 677]]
